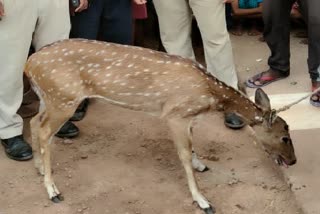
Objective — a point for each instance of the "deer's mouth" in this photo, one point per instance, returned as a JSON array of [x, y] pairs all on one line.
[[281, 161]]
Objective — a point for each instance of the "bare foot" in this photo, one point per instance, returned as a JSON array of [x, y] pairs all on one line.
[[237, 30], [254, 32]]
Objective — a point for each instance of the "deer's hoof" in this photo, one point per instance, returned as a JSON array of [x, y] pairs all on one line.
[[57, 199], [210, 210]]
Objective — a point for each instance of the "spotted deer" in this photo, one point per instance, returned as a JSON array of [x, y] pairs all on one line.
[[174, 89]]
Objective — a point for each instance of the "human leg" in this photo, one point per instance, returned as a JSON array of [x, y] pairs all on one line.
[[312, 17], [175, 26], [86, 23], [117, 22], [54, 25], [210, 16], [15, 38], [276, 17]]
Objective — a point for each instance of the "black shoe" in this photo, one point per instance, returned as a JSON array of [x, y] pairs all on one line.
[[68, 130], [17, 148], [233, 121], [81, 111]]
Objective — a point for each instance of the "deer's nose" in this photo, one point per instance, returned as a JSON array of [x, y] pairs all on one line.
[[293, 162]]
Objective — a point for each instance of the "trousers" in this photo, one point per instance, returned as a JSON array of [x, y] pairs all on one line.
[[111, 19], [175, 19], [276, 17], [39, 22]]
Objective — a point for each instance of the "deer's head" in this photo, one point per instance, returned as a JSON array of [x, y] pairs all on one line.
[[273, 132]]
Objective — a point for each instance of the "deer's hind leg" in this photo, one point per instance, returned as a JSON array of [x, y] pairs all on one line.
[[34, 126], [180, 133], [45, 126]]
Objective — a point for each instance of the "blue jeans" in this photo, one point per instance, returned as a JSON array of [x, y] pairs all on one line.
[[110, 19]]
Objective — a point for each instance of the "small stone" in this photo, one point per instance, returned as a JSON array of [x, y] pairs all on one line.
[[293, 83], [273, 188], [258, 60], [144, 145], [233, 181], [67, 141], [240, 206], [84, 156], [211, 157]]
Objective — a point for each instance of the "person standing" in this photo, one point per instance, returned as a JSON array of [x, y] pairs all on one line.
[[175, 19], [23, 22], [106, 20], [276, 17]]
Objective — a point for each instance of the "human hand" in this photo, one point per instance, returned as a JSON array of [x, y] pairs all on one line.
[[83, 6], [1, 9], [140, 1]]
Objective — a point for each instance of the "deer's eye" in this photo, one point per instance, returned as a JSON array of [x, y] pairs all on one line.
[[285, 140]]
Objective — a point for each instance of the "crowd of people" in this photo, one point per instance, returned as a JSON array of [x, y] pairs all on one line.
[[38, 23]]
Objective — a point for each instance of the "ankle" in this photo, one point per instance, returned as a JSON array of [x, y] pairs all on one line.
[[278, 73], [315, 84]]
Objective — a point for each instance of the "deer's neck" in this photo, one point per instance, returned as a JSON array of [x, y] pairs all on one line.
[[231, 100]]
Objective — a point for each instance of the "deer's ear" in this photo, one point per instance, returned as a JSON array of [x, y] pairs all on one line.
[[262, 99], [272, 117]]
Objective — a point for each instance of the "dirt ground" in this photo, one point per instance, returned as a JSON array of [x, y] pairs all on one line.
[[124, 162]]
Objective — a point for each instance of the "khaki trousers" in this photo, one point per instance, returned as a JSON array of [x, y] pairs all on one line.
[[175, 17], [38, 21]]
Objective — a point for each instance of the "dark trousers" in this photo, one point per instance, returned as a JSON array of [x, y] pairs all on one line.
[[276, 16], [110, 19]]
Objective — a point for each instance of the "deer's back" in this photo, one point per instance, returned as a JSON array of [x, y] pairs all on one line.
[[130, 76]]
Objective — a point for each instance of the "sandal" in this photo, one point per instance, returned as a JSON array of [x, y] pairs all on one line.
[[264, 78], [315, 99]]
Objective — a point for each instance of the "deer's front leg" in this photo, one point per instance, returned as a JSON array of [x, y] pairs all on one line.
[[179, 128]]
